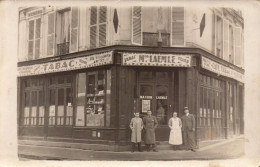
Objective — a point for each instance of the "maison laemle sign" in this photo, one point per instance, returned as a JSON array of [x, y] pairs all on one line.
[[221, 70], [67, 65], [154, 59]]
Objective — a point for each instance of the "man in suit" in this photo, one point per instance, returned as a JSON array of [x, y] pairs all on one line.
[[150, 124], [188, 129]]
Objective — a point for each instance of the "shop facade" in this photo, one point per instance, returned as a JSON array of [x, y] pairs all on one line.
[[90, 96]]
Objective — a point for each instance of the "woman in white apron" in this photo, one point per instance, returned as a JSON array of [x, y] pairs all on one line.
[[175, 125]]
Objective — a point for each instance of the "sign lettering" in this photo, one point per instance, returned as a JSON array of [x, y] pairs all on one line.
[[151, 59], [221, 70], [67, 65]]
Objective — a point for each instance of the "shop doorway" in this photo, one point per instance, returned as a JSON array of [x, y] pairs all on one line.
[[155, 93]]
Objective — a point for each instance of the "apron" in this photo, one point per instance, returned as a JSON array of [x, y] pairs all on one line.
[[175, 134]]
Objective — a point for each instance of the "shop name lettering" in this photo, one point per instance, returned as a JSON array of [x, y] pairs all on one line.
[[212, 66], [156, 59], [63, 65], [57, 66]]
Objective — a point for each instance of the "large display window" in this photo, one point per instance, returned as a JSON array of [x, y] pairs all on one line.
[[93, 98]]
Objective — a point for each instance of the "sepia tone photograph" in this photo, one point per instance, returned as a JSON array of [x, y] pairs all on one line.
[[133, 82]]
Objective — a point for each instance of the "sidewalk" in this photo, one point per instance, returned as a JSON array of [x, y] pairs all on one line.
[[228, 149]]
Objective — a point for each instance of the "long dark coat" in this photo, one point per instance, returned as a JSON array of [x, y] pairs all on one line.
[[150, 123], [136, 125], [188, 124]]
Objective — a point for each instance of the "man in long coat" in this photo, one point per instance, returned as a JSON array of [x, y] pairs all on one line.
[[136, 125], [150, 124], [188, 128]]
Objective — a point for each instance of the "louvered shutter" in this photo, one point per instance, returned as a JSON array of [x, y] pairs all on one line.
[[37, 38], [102, 30], [225, 41], [237, 40], [177, 26], [31, 39], [137, 25], [74, 29], [51, 34], [93, 27]]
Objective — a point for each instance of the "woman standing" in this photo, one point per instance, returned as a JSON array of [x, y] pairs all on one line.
[[136, 125], [175, 125]]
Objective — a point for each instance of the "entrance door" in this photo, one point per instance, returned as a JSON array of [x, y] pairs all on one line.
[[154, 90], [60, 117]]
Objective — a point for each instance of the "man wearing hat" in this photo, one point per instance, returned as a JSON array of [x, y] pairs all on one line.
[[188, 129]]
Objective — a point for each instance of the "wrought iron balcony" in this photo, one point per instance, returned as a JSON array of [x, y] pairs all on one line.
[[63, 48], [151, 39]]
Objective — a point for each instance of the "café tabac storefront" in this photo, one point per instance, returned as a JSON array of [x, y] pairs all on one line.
[[90, 97]]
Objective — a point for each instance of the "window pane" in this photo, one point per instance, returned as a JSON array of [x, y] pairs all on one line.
[[34, 98], [61, 79], [81, 95], [162, 104], [162, 77], [52, 108], [146, 76], [69, 79], [108, 97], [146, 90]]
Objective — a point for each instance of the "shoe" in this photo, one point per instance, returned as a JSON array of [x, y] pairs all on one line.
[[155, 150], [193, 150], [140, 151]]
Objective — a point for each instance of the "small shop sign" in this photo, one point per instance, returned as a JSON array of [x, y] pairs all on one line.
[[221, 70], [67, 65], [155, 59]]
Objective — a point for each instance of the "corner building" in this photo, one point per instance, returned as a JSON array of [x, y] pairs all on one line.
[[84, 71]]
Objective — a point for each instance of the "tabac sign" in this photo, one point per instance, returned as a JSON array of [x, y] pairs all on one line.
[[67, 65], [154, 59], [221, 70]]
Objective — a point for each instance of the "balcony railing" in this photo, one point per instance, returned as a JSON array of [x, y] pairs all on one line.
[[63, 48], [151, 39]]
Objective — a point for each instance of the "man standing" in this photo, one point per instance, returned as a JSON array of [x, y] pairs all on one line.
[[188, 128], [150, 123], [136, 125]]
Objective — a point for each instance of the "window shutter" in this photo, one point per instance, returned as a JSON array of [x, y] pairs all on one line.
[[137, 25], [93, 27], [74, 29], [31, 40], [237, 40], [177, 26], [37, 38], [51, 34], [102, 26], [225, 41]]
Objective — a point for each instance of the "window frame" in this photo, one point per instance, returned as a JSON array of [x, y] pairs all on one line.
[[34, 19]]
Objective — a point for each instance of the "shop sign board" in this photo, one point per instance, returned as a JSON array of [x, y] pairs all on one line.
[[156, 59], [221, 69], [67, 65]]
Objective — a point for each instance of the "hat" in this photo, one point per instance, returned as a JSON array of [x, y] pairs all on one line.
[[185, 108]]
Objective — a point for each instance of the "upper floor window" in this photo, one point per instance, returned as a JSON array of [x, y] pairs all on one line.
[[166, 21], [34, 38], [231, 44], [63, 31], [98, 26]]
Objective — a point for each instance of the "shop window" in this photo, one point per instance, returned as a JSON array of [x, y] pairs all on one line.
[[162, 103], [41, 108], [162, 77], [94, 105], [33, 102], [52, 108]]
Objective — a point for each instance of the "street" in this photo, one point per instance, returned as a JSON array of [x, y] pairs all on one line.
[[225, 150]]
